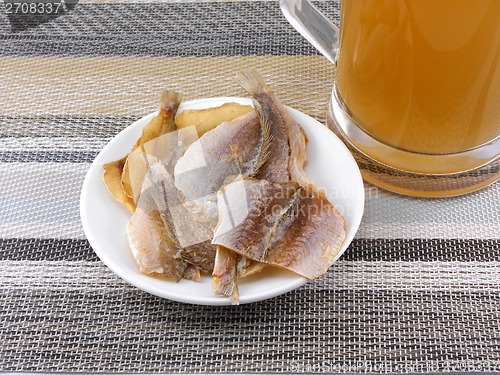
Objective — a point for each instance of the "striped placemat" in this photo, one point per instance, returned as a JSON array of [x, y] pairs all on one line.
[[417, 291]]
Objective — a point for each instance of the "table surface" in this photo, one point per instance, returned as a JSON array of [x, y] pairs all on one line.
[[418, 289]]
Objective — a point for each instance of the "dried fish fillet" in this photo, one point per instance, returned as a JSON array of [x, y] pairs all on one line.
[[154, 251], [201, 255], [244, 185], [151, 165], [191, 239], [112, 179], [209, 118], [275, 151], [280, 224], [161, 124], [287, 154], [282, 152], [229, 150], [151, 247]]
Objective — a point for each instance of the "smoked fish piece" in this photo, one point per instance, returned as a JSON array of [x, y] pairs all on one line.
[[284, 225]]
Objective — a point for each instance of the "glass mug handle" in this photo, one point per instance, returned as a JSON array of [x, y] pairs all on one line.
[[312, 25]]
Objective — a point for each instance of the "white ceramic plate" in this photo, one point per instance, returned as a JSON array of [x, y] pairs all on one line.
[[329, 164]]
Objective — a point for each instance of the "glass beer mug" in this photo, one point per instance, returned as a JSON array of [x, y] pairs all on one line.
[[416, 95]]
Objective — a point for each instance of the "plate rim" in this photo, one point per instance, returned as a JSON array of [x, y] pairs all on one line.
[[209, 300]]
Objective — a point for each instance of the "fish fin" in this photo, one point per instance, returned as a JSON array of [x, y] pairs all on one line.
[[267, 138], [229, 290], [235, 295], [224, 277], [169, 101], [251, 81]]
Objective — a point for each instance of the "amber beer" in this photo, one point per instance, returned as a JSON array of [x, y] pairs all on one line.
[[422, 75], [416, 97]]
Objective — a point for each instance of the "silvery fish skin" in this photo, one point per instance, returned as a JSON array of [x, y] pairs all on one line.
[[284, 225], [282, 153], [230, 150], [191, 239], [152, 248], [154, 251], [219, 155], [287, 151], [163, 230]]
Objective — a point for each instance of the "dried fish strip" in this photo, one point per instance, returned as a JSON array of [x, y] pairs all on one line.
[[280, 224], [158, 192], [179, 240], [161, 124], [282, 151], [222, 154]]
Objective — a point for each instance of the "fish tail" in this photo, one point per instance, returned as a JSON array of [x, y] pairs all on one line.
[[251, 81], [169, 101], [224, 275], [228, 290], [235, 295]]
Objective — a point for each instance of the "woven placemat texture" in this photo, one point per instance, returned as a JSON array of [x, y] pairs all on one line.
[[417, 291]]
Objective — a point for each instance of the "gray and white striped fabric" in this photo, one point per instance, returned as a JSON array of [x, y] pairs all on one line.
[[417, 291]]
